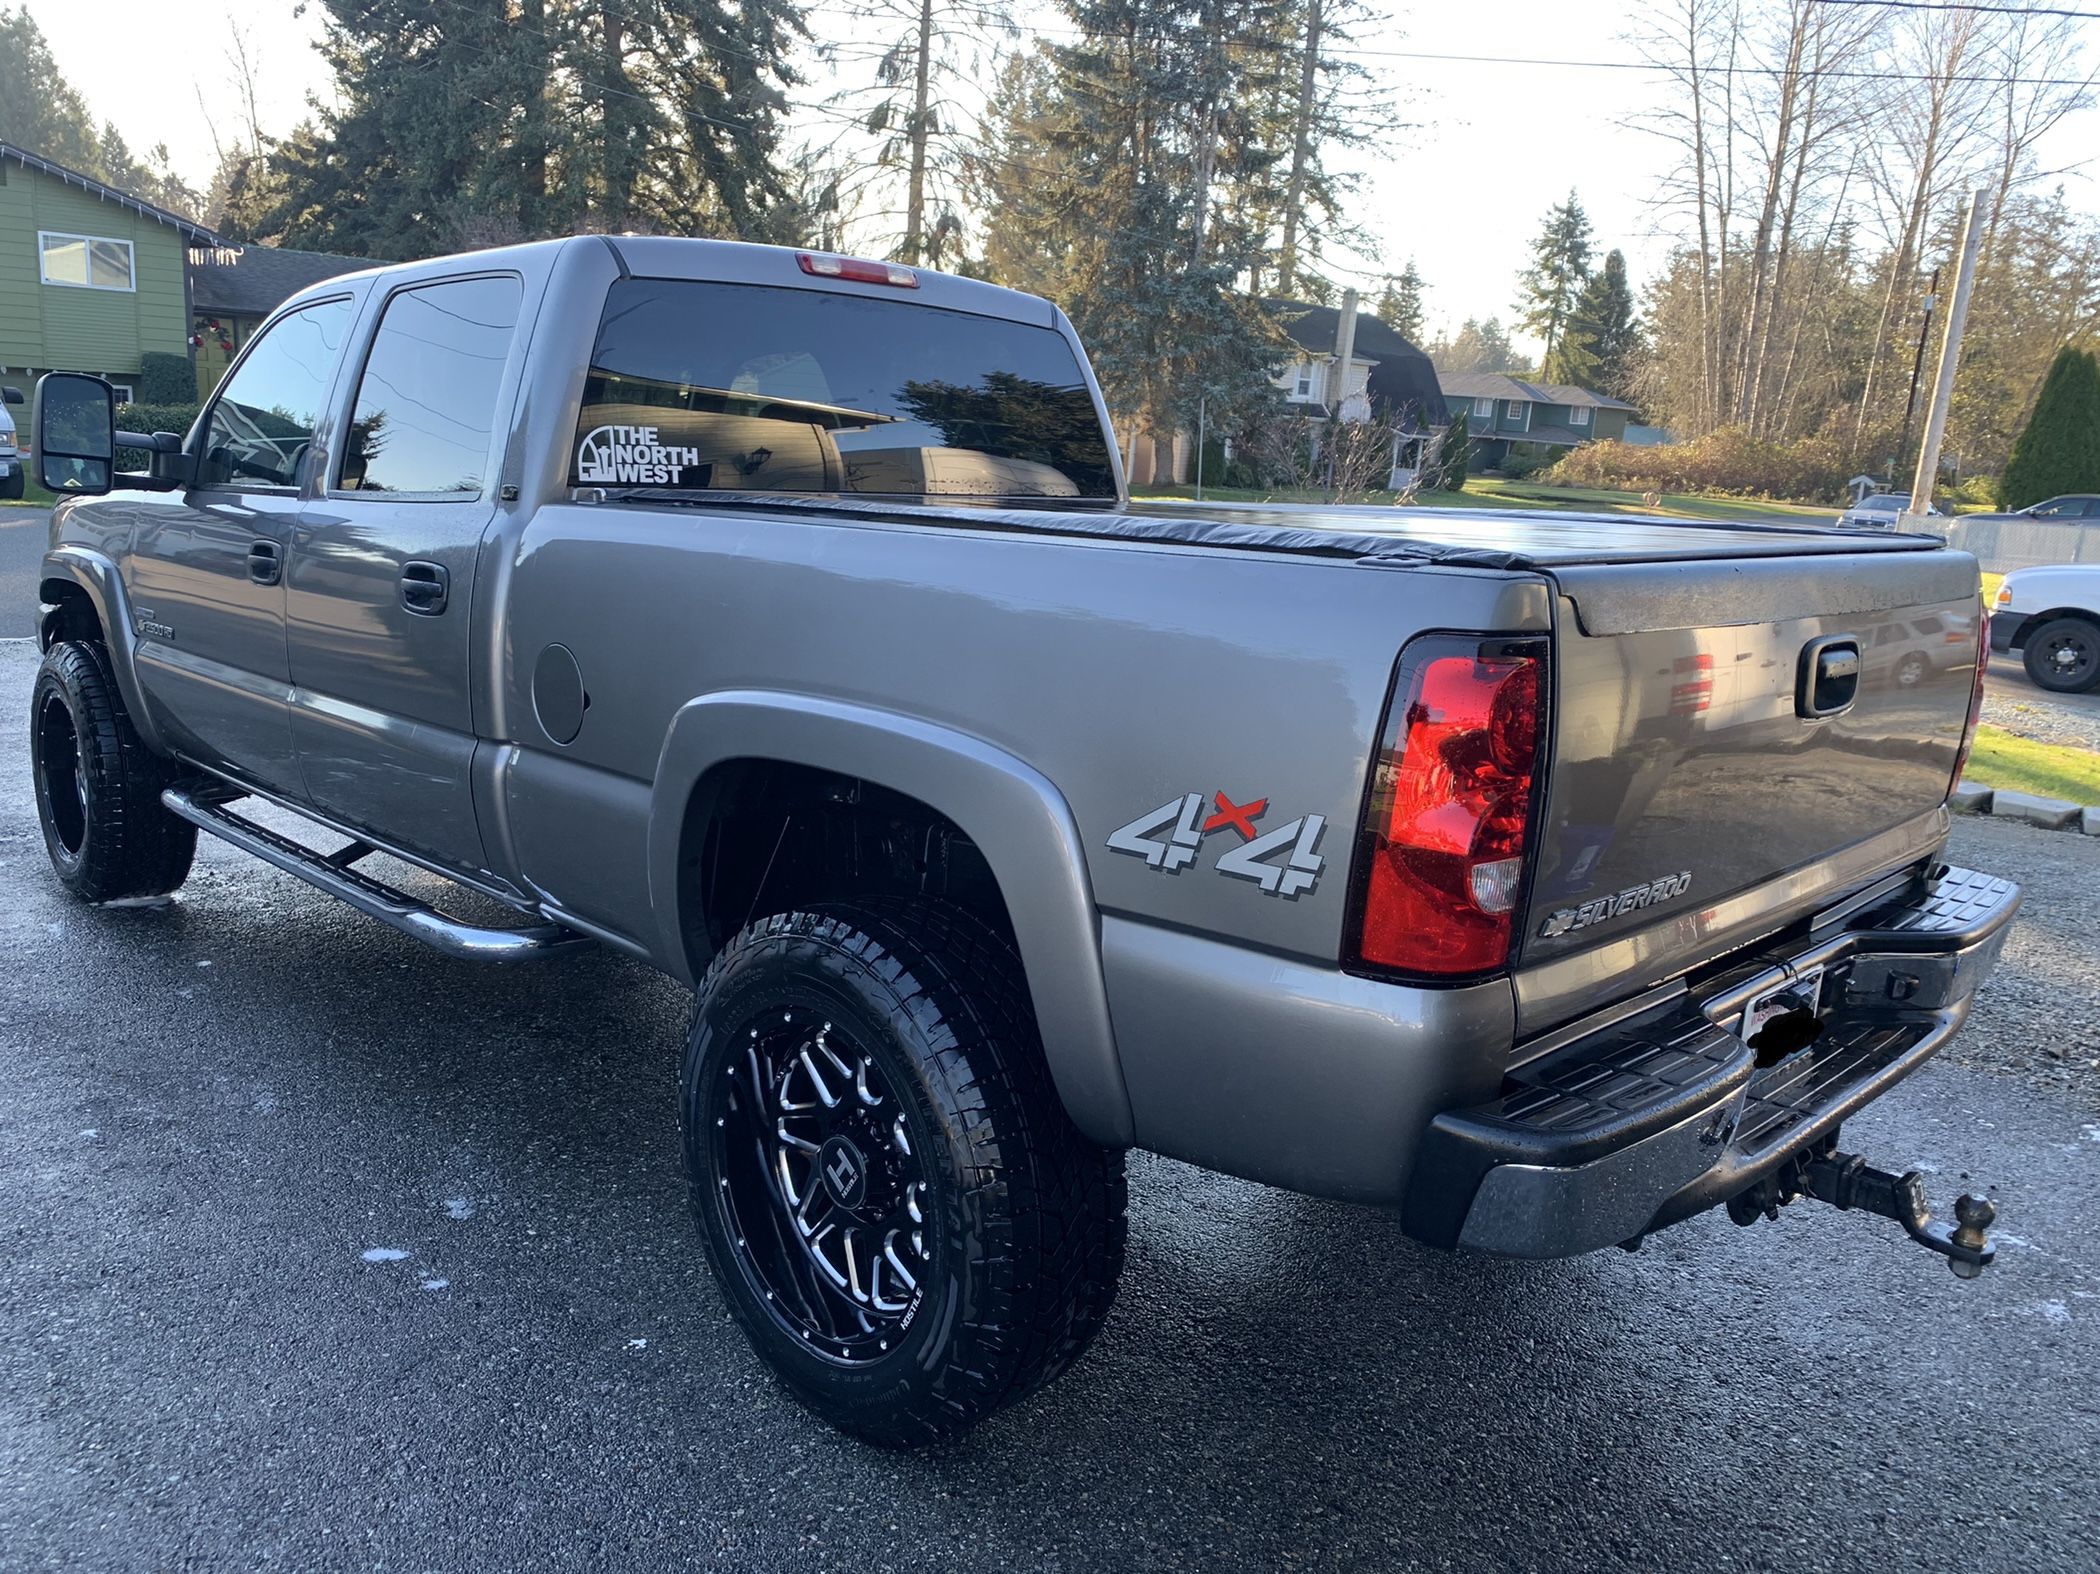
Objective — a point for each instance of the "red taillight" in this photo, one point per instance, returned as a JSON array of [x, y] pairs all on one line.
[[1441, 866], [859, 269], [1983, 662]]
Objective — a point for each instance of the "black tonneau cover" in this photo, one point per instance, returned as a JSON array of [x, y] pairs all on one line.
[[1468, 538]]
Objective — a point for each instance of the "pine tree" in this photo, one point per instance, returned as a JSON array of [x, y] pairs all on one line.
[[1560, 266], [1400, 304], [1456, 454], [1596, 351], [468, 122], [2058, 450]]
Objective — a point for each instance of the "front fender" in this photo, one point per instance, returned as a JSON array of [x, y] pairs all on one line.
[[1011, 811], [96, 577]]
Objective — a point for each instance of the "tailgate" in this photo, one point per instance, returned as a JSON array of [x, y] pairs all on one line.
[[1691, 806]]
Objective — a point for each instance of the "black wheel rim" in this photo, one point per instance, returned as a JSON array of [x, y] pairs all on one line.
[[61, 783], [821, 1191], [2069, 658]]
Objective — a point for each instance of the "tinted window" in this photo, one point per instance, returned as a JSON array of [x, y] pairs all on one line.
[[264, 420], [755, 388], [426, 404]]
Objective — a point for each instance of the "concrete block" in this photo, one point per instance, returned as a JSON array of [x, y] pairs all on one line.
[[1971, 799], [2089, 822], [2052, 814]]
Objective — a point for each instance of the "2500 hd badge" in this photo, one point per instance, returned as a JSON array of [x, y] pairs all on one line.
[[1566, 920]]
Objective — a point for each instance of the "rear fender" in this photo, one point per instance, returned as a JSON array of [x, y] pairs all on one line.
[[1012, 812]]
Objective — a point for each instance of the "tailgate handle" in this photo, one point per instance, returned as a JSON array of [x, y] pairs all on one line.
[[1829, 679]]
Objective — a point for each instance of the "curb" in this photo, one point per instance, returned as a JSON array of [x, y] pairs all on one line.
[[2051, 814]]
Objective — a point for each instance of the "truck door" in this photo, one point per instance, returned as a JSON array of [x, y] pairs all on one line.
[[379, 605], [206, 568]]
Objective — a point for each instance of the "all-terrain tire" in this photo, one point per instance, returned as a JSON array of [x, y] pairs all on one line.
[[1025, 1222], [2063, 656], [98, 786]]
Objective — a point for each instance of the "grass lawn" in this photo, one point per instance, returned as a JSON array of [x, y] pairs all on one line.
[[2053, 770], [1487, 492]]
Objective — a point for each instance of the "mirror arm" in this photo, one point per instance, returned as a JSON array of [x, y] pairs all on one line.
[[152, 442], [168, 468]]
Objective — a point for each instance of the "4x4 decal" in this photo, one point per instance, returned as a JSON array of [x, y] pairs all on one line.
[[1284, 862]]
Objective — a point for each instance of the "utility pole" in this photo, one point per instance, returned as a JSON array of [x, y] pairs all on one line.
[[1338, 390], [1917, 364], [1928, 471]]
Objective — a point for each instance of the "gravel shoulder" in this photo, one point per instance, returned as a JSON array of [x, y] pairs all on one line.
[[2038, 1018]]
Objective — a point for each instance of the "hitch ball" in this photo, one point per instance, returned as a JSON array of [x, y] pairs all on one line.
[[1973, 1216]]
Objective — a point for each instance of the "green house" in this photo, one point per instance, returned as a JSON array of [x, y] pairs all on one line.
[[91, 278], [1502, 410]]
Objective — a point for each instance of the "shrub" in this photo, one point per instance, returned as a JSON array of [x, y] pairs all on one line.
[[150, 418], [1807, 469], [166, 378], [1523, 459]]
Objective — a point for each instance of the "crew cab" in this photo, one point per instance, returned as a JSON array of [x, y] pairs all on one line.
[[782, 619]]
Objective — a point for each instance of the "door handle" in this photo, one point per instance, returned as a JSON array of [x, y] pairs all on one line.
[[265, 562], [425, 588]]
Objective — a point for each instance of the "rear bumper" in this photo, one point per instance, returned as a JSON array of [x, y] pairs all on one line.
[[1661, 1115]]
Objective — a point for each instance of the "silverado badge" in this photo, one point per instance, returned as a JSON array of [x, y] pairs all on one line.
[[1566, 920]]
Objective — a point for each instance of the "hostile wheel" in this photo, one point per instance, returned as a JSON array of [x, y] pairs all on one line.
[[1911, 670], [2063, 656], [98, 786], [899, 1211]]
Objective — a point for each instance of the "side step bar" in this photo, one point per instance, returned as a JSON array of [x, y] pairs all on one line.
[[205, 807]]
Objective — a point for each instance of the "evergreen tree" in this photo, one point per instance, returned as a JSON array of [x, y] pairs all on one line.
[[1400, 304], [1454, 457], [1478, 347], [2058, 450], [41, 112], [1560, 266], [1115, 195], [1597, 349], [471, 122]]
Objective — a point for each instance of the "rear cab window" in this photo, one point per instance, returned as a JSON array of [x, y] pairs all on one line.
[[698, 386]]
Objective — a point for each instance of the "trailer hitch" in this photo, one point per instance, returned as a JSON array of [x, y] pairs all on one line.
[[1845, 1180]]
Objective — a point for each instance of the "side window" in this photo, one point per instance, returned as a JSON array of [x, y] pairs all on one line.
[[264, 420], [426, 403]]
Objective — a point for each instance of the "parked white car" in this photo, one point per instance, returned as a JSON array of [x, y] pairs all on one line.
[[2052, 617], [1881, 511], [10, 453]]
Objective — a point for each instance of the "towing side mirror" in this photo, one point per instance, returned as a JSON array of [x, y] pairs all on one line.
[[73, 434]]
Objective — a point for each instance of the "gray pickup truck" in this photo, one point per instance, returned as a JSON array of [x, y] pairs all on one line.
[[780, 619]]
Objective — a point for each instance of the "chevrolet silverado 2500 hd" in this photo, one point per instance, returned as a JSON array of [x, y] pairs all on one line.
[[780, 618]]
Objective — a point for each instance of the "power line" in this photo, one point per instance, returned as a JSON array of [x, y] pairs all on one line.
[[1964, 5]]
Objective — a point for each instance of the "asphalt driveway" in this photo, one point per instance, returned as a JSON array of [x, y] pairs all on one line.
[[22, 532], [319, 1251]]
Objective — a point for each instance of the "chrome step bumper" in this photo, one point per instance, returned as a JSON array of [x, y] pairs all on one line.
[[205, 806]]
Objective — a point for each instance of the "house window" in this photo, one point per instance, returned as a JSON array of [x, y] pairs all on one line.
[[86, 262], [1513, 408], [1304, 382], [1578, 415], [122, 392], [1484, 409]]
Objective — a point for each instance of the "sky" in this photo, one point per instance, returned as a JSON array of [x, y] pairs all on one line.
[[1488, 146]]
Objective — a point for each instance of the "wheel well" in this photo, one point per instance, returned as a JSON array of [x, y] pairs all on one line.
[[765, 836], [68, 613], [2029, 625]]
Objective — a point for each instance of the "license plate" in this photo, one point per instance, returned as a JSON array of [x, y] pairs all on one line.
[[1806, 985]]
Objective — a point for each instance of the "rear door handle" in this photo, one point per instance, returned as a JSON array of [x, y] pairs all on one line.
[[425, 588], [265, 562]]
